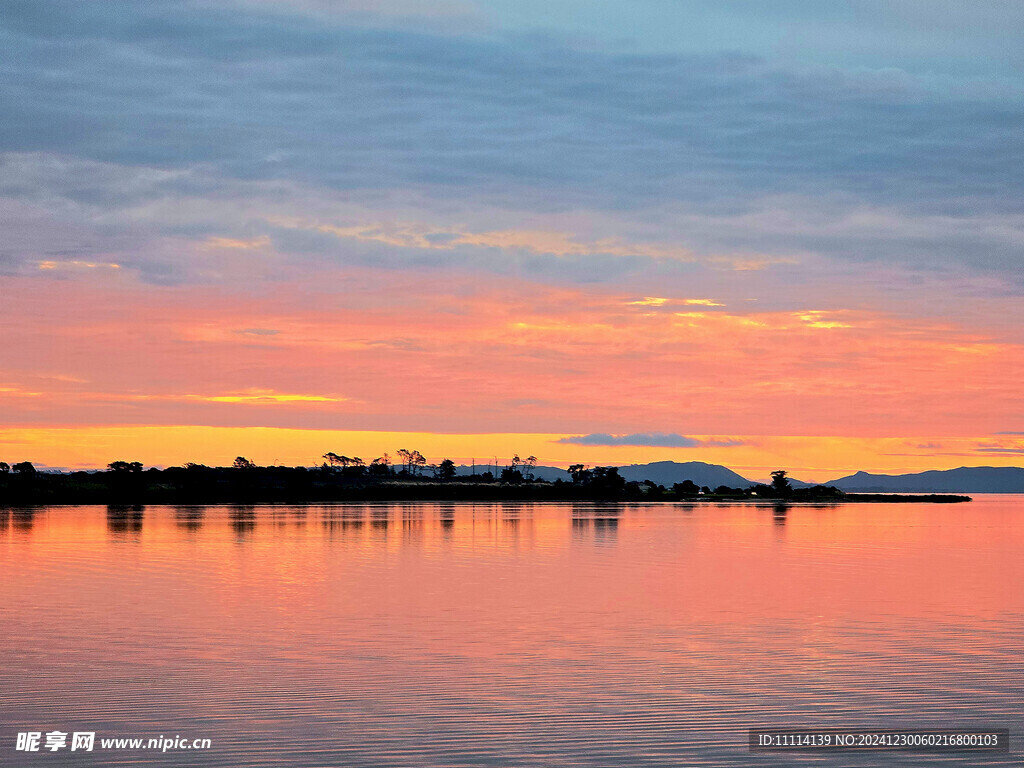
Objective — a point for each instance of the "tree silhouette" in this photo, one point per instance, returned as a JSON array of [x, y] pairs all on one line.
[[332, 458], [381, 466], [122, 467], [607, 479], [580, 474], [24, 468], [529, 463], [4, 467], [512, 474], [243, 463], [418, 460], [686, 488], [406, 456], [780, 483], [411, 460], [352, 466], [446, 470]]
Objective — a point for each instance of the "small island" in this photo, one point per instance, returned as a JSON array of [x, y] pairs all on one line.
[[341, 478]]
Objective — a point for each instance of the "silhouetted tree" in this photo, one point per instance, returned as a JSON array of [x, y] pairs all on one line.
[[530, 463], [243, 463], [417, 461], [381, 466], [511, 474], [446, 470], [606, 479], [333, 459], [686, 488], [122, 467], [4, 467], [580, 474], [406, 456], [780, 483], [411, 460], [24, 468], [352, 466]]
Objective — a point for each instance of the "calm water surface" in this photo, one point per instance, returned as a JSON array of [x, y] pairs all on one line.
[[510, 634]]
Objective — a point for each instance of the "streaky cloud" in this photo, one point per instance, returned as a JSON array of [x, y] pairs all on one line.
[[651, 439]]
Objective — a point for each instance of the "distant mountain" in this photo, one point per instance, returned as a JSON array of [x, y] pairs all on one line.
[[662, 472], [961, 480], [541, 473], [668, 472]]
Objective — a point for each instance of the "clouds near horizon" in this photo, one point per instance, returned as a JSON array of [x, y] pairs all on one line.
[[650, 440]]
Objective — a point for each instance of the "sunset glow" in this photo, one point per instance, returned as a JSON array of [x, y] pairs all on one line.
[[481, 263]]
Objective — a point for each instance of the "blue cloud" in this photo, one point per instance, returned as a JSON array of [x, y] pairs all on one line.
[[266, 96], [650, 439], [220, 97]]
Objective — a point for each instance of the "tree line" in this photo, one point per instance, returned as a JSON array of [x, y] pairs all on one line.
[[340, 476]]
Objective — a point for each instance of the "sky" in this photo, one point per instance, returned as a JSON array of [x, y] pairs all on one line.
[[766, 235]]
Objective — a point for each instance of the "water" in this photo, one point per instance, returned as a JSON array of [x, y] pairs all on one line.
[[508, 635]]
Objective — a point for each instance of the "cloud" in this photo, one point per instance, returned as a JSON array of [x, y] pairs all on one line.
[[250, 396], [257, 331], [1013, 447], [651, 439], [746, 159], [262, 95], [379, 10]]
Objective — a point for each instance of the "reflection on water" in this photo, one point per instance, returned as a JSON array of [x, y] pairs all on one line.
[[380, 517], [598, 524], [124, 521], [509, 634], [190, 518], [446, 516], [412, 522], [243, 519], [779, 510], [22, 519]]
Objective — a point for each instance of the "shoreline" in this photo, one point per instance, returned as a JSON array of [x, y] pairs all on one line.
[[449, 493]]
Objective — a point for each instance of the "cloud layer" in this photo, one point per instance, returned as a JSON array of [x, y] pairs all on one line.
[[711, 152]]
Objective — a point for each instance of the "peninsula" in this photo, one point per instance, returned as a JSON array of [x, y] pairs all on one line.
[[341, 478]]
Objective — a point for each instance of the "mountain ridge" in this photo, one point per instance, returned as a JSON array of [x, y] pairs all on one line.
[[983, 479], [961, 479]]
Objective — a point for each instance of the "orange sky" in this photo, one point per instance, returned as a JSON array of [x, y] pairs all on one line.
[[357, 362], [765, 238]]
